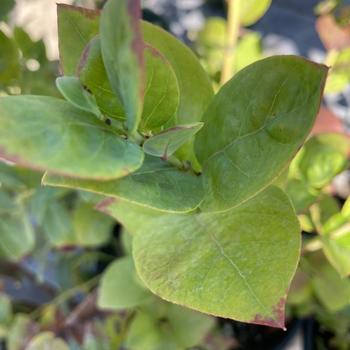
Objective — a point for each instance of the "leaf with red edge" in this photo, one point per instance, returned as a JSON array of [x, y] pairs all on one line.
[[49, 134], [76, 27], [122, 51], [237, 264]]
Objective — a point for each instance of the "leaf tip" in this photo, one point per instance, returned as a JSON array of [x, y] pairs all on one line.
[[278, 316]]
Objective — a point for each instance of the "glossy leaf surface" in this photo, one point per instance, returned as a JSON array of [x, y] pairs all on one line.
[[219, 263], [263, 127], [49, 134]]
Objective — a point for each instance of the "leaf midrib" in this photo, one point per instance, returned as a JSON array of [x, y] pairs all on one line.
[[238, 271]]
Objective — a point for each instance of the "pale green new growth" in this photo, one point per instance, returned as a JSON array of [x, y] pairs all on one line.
[[167, 142], [74, 92]]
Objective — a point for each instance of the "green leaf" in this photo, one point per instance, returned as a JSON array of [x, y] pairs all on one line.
[[18, 335], [301, 195], [167, 326], [119, 288], [332, 290], [6, 7], [161, 91], [195, 87], [57, 225], [346, 209], [9, 179], [196, 90], [249, 50], [337, 250], [169, 141], [76, 27], [122, 52], [73, 91], [126, 241], [321, 159], [16, 235], [157, 184], [264, 123], [49, 134], [210, 44], [5, 311], [93, 75], [91, 228], [10, 68], [162, 95], [253, 10], [219, 263], [339, 76], [30, 49], [47, 340], [39, 202]]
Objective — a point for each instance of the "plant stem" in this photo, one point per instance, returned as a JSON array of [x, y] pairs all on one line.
[[174, 161], [136, 137], [232, 34]]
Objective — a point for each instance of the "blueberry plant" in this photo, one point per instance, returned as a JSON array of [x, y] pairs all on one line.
[[193, 177]]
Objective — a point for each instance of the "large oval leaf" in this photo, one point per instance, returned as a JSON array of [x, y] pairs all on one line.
[[49, 134], [157, 184], [236, 264], [254, 126]]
